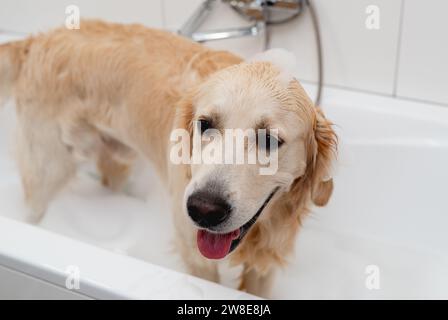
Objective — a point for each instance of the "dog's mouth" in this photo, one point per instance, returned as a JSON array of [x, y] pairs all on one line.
[[218, 245]]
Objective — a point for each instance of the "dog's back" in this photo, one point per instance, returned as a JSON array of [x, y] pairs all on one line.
[[101, 92]]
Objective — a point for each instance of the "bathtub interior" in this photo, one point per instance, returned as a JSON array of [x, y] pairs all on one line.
[[388, 208]]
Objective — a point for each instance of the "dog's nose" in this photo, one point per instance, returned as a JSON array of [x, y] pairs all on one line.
[[207, 210]]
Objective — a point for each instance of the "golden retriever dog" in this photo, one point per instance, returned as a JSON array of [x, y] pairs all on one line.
[[111, 92]]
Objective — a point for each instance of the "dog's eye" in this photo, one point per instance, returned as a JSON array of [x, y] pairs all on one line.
[[268, 142], [204, 125]]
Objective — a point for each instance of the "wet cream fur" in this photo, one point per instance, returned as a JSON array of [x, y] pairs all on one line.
[[109, 92]]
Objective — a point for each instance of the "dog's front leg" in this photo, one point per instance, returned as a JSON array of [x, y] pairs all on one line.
[[256, 283]]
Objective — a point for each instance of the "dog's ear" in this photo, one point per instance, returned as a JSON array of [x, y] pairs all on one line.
[[324, 145], [316, 183], [185, 112], [184, 120]]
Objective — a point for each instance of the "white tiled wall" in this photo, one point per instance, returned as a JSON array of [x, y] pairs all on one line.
[[39, 15], [354, 56], [406, 57], [423, 64]]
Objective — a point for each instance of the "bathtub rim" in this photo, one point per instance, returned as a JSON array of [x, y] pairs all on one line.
[[51, 254]]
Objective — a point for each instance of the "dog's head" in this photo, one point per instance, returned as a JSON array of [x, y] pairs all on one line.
[[279, 123]]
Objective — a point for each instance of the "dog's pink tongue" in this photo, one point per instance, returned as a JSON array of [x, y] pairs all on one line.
[[215, 246]]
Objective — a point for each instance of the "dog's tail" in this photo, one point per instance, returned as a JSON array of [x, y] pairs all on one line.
[[12, 55]]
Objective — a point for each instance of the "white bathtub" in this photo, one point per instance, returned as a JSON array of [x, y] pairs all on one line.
[[389, 210]]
